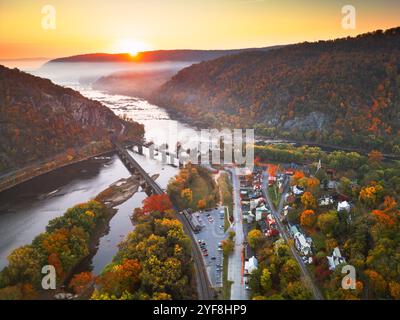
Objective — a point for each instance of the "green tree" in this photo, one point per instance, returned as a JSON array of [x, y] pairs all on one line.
[[255, 238], [265, 280], [327, 222]]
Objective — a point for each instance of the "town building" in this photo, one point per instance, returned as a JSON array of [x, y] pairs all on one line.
[[335, 259]]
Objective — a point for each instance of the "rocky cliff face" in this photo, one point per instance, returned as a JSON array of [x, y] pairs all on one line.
[[39, 119]]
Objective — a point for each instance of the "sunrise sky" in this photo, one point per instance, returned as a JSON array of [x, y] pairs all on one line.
[[85, 26]]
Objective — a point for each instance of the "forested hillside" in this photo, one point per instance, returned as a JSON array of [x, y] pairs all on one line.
[[39, 119], [342, 92]]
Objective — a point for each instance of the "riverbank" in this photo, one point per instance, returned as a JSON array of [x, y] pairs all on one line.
[[14, 178], [93, 219], [116, 194]]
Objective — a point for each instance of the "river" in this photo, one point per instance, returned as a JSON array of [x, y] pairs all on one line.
[[26, 209]]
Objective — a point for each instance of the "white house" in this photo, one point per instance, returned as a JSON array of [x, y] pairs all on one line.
[[260, 211], [335, 259], [302, 244], [343, 205], [250, 265], [332, 184], [325, 201], [297, 190]]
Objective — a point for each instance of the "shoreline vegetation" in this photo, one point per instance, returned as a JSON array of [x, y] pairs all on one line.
[[193, 188], [14, 178], [69, 241], [154, 260]]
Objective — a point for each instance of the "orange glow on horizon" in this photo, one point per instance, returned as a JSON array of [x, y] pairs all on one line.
[[131, 26], [130, 46]]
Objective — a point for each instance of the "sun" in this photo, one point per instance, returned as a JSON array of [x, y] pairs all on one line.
[[133, 47]]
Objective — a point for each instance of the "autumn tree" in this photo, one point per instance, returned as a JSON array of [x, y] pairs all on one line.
[[201, 204], [227, 246], [265, 280], [272, 170], [121, 277], [297, 176], [296, 291], [371, 195], [255, 238], [312, 184], [81, 281], [308, 200], [327, 222], [375, 157], [290, 271], [377, 283], [394, 288], [160, 203], [308, 218], [187, 196]]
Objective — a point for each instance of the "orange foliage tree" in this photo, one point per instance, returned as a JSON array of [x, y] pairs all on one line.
[[308, 200], [384, 219], [81, 281], [371, 195], [375, 156], [160, 203], [298, 175], [308, 218], [272, 170], [201, 204], [121, 277]]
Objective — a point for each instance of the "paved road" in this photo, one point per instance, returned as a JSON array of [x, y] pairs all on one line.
[[235, 266], [278, 214]]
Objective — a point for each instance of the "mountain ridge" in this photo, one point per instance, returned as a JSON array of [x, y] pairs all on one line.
[[343, 91], [156, 55], [40, 119]]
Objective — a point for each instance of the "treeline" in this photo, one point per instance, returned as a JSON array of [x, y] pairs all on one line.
[[40, 120], [288, 153], [339, 92], [153, 262], [64, 244], [351, 164]]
